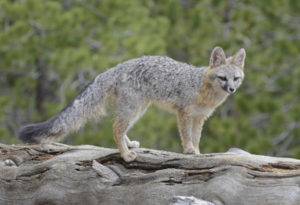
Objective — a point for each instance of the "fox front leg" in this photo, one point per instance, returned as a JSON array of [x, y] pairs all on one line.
[[197, 129], [185, 130]]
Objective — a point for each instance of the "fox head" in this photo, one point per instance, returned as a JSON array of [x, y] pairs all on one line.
[[226, 74]]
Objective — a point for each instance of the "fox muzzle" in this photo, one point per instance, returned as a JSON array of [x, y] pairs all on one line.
[[229, 89]]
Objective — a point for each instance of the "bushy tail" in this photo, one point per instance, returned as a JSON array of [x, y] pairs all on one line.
[[89, 103], [36, 133]]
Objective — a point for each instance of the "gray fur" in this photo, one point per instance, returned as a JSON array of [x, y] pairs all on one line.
[[191, 92], [158, 79]]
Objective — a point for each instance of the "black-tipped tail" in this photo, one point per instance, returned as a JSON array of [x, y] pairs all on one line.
[[35, 133]]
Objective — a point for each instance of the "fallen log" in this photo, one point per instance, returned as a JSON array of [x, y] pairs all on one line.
[[62, 174]]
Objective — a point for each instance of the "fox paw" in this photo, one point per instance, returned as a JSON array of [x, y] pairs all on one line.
[[197, 151], [133, 144], [190, 150], [130, 156]]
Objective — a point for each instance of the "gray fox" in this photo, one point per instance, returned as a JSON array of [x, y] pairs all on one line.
[[193, 93]]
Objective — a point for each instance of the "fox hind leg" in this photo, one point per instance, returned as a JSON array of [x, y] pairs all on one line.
[[140, 111], [127, 115], [120, 127]]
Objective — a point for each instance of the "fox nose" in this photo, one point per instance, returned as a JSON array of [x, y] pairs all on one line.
[[231, 90]]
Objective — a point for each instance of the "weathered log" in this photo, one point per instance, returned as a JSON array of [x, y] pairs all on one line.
[[62, 174]]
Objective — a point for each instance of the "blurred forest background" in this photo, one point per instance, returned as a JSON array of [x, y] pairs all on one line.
[[49, 50]]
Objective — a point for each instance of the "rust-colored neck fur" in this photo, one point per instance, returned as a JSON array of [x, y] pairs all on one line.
[[208, 96]]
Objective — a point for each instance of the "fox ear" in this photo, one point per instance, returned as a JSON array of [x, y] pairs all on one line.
[[239, 58], [217, 57]]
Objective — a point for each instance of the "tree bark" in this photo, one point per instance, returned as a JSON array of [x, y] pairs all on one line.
[[62, 174]]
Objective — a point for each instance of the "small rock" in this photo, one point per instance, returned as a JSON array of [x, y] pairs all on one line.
[[9, 162], [189, 200]]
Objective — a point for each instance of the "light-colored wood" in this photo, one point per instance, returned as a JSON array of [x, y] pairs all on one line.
[[63, 174]]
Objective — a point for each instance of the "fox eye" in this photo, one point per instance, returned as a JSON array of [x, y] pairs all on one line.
[[223, 78], [236, 78]]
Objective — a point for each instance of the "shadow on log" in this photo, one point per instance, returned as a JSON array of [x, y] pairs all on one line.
[[62, 174]]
